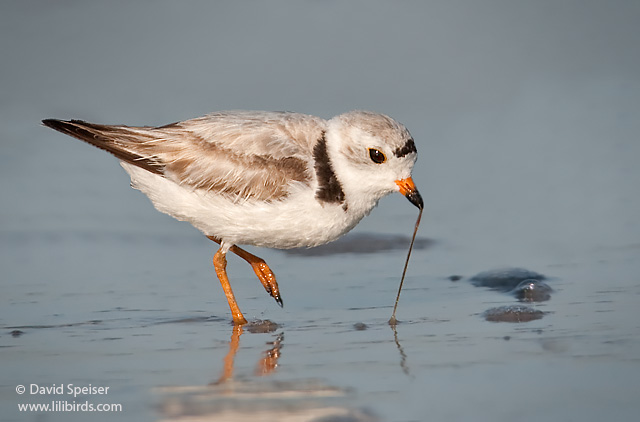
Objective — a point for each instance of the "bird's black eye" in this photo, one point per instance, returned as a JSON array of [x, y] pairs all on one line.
[[377, 156]]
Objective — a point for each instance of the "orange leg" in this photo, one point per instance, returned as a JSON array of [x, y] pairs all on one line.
[[220, 264], [262, 270]]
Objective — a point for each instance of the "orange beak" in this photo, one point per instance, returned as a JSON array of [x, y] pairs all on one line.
[[408, 189]]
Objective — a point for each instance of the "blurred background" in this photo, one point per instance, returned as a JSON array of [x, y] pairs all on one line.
[[526, 116]]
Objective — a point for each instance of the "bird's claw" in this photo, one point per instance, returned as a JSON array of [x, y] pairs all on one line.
[[268, 280]]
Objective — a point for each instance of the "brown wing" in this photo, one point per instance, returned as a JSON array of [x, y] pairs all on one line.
[[243, 154]]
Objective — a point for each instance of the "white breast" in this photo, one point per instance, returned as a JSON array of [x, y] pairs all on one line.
[[297, 221]]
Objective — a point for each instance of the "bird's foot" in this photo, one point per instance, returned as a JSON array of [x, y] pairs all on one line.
[[267, 278]]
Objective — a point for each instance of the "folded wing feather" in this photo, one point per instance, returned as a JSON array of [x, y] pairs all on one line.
[[247, 155]]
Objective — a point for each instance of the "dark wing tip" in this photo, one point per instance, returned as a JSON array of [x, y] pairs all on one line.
[[81, 130], [100, 136], [53, 123], [69, 127], [56, 123]]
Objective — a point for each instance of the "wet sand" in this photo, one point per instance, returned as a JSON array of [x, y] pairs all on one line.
[[329, 352]]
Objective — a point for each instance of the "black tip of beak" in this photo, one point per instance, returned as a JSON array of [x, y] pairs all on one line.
[[415, 198]]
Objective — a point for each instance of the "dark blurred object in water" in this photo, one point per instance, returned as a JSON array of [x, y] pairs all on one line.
[[504, 279], [362, 243], [512, 313], [261, 326], [532, 291]]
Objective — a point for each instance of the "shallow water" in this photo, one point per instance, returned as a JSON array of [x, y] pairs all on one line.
[[526, 120]]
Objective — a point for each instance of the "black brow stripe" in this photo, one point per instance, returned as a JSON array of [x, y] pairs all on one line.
[[329, 188], [408, 148]]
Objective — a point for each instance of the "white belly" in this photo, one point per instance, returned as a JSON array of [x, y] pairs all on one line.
[[297, 221]]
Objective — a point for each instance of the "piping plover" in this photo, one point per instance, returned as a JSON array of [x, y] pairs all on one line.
[[271, 179]]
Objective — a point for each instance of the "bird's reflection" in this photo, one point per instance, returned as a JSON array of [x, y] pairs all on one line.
[[266, 365], [259, 398], [269, 361]]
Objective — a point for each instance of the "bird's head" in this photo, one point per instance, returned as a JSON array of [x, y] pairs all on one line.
[[372, 156]]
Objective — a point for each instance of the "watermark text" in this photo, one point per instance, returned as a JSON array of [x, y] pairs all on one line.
[[70, 400]]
